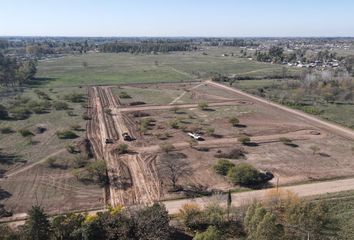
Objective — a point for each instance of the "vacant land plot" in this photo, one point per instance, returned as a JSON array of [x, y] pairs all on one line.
[[29, 176], [315, 153], [340, 112], [104, 68]]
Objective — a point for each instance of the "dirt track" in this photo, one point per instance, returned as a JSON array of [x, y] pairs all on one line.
[[132, 177]]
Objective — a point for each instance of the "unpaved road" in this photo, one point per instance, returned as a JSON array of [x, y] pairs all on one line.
[[239, 199], [192, 105], [339, 130]]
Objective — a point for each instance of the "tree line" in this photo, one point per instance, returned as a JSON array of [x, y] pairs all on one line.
[[14, 71]]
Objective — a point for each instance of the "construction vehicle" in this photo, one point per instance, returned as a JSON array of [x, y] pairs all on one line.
[[126, 137]]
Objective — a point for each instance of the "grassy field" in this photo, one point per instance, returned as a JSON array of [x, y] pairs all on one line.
[[339, 113], [110, 68]]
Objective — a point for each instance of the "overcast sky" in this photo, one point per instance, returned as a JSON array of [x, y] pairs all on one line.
[[232, 18]]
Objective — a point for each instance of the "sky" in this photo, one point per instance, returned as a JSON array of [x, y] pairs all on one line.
[[171, 18]]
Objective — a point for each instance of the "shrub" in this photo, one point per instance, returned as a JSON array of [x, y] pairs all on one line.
[[191, 215], [234, 121], [25, 133], [209, 131], [98, 170], [20, 113], [3, 112], [203, 106], [70, 113], [71, 148], [122, 148], [51, 162], [223, 166], [175, 124], [212, 233], [246, 175], [75, 97], [80, 161], [60, 105], [167, 147], [66, 134], [75, 127], [85, 116], [124, 95], [6, 130], [235, 153], [244, 140]]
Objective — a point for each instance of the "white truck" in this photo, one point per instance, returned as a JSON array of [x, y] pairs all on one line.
[[196, 136]]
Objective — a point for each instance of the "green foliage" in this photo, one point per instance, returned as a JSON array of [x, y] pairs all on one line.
[[223, 166], [98, 170], [37, 226], [246, 175], [175, 124], [67, 226], [203, 106], [167, 147], [124, 95], [25, 132], [212, 233], [209, 131], [3, 112], [122, 148], [76, 127], [234, 121], [75, 97], [20, 113], [244, 140], [66, 134], [51, 162], [60, 105]]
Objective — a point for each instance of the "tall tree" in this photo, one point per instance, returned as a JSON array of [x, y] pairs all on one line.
[[37, 226]]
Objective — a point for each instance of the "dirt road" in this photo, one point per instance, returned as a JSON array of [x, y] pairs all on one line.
[[239, 199], [340, 130], [192, 105]]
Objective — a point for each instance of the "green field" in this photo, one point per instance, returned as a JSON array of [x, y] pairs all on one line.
[[110, 68], [339, 113]]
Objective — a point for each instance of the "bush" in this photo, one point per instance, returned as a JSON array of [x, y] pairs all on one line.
[[191, 215], [175, 124], [60, 106], [71, 148], [75, 97], [209, 131], [167, 147], [85, 116], [223, 166], [6, 130], [244, 140], [124, 95], [212, 233], [51, 162], [246, 175], [75, 127], [20, 113], [235, 153], [122, 148], [3, 112], [234, 121], [25, 133], [66, 134], [203, 106]]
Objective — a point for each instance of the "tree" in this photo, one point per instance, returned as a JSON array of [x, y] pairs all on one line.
[[152, 223], [234, 121], [65, 226], [37, 226], [172, 168], [255, 217], [247, 175], [268, 229], [228, 203], [223, 166], [98, 169], [212, 233]]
